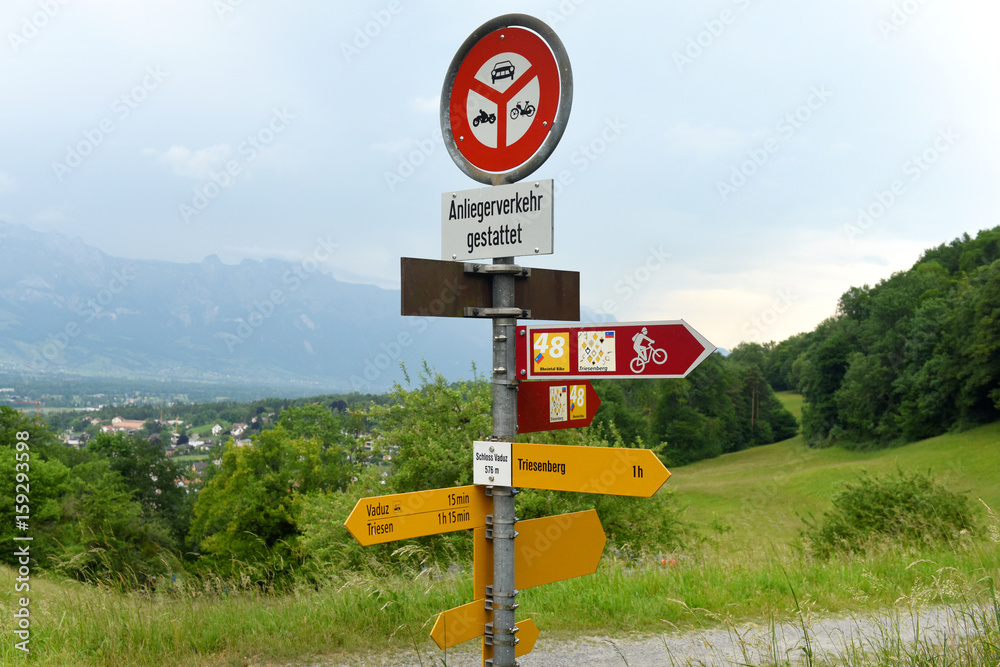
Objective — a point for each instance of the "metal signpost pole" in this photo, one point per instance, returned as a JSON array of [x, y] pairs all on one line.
[[489, 150], [504, 429]]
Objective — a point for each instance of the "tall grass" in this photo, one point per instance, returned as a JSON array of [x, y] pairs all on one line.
[[948, 616], [190, 621], [208, 621]]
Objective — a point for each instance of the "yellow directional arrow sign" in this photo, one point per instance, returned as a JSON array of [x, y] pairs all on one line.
[[469, 621], [461, 624], [527, 635], [549, 549], [405, 515], [611, 470]]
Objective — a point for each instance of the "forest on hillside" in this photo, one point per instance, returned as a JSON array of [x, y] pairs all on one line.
[[914, 356]]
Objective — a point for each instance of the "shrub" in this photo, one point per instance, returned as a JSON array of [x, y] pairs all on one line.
[[897, 508]]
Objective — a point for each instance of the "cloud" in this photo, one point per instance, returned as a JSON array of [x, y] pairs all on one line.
[[705, 142], [197, 164], [392, 147], [843, 148], [425, 104], [7, 184], [53, 216], [261, 252]]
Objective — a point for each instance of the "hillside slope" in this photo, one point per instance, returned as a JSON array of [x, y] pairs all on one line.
[[766, 490]]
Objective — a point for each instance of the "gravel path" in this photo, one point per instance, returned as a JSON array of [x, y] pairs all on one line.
[[741, 645]]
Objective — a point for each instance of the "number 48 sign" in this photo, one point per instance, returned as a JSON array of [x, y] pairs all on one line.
[[549, 352]]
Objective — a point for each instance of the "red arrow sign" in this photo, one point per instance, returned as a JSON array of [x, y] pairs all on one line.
[[548, 406], [627, 350]]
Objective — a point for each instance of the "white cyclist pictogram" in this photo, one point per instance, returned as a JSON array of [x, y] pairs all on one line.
[[644, 352]]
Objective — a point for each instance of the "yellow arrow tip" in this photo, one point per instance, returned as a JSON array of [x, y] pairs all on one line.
[[437, 632]]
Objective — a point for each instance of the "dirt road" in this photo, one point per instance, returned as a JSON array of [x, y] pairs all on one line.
[[722, 647]]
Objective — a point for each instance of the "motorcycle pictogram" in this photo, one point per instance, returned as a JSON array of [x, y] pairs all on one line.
[[484, 117]]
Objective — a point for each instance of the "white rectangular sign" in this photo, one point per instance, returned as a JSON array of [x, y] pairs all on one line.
[[491, 463], [512, 220]]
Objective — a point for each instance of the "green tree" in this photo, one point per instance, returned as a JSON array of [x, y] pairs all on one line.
[[625, 410], [911, 357], [247, 513], [107, 535], [821, 373], [979, 317], [34, 484], [865, 399], [429, 431], [150, 475]]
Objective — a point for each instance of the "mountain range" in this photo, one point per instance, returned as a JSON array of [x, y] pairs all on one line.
[[67, 308]]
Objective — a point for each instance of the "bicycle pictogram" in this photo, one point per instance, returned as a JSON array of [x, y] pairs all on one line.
[[645, 352], [527, 110]]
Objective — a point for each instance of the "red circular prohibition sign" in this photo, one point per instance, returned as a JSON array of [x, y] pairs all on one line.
[[543, 67]]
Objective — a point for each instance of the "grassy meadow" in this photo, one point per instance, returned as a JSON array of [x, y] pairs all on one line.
[[764, 492], [746, 565]]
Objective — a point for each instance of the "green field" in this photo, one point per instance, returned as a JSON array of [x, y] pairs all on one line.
[[188, 458], [763, 492], [792, 402]]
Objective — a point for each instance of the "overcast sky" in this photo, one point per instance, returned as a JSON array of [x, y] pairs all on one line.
[[713, 168]]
